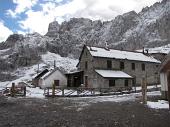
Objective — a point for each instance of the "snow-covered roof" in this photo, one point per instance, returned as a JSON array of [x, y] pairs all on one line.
[[51, 72], [119, 54], [161, 50], [47, 74], [113, 74]]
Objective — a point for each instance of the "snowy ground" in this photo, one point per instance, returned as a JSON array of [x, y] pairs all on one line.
[[101, 111], [38, 93], [160, 104]]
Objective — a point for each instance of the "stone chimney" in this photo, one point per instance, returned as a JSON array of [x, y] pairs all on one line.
[[106, 46]]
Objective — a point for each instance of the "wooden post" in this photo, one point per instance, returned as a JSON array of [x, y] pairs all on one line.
[[63, 92], [24, 90], [48, 92], [168, 79], [144, 91], [53, 90], [12, 91]]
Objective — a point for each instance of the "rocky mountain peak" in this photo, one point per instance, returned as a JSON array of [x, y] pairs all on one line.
[[53, 29]]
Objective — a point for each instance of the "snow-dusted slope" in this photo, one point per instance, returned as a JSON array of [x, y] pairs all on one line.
[[64, 63], [26, 74]]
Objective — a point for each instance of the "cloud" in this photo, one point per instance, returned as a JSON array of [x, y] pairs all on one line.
[[21, 6], [4, 31], [38, 21]]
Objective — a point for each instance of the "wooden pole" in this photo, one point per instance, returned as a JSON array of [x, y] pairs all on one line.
[[24, 90], [12, 91], [144, 91], [168, 79], [63, 92], [53, 90]]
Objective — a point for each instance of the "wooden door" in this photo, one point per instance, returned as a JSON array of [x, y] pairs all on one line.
[[56, 82], [86, 81]]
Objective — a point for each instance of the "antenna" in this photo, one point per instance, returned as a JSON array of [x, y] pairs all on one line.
[[38, 69]]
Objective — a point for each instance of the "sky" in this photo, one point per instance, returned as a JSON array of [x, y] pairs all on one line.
[[28, 16]]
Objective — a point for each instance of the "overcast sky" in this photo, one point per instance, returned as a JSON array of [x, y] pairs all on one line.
[[27, 16]]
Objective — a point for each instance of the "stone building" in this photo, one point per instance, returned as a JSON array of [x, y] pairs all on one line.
[[106, 68]]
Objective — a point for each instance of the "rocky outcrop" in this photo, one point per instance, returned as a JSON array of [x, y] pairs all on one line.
[[130, 31]]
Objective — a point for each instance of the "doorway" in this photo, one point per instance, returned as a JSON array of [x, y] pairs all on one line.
[[86, 81]]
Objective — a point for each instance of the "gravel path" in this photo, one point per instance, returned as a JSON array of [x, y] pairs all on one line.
[[80, 112]]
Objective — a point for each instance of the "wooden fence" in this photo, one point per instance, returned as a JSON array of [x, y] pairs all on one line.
[[82, 91], [14, 91]]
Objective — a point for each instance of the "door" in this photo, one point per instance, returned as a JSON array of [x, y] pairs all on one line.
[[86, 81], [56, 82]]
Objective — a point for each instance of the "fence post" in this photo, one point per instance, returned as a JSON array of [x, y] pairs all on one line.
[[24, 90], [12, 90], [144, 91], [48, 92], [63, 92], [53, 90]]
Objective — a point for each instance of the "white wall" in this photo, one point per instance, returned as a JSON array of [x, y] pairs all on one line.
[[163, 79], [49, 81]]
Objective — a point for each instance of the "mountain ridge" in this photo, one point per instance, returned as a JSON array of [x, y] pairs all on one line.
[[131, 31]]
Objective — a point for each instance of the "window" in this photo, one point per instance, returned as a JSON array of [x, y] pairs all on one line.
[[126, 82], [122, 65], [133, 66], [86, 65], [143, 67], [111, 83], [109, 64]]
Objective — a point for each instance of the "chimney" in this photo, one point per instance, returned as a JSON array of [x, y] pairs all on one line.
[[106, 46], [147, 51], [91, 49], [143, 51]]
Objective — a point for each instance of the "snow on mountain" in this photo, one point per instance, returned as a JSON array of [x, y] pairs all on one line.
[[131, 31], [63, 63], [147, 19]]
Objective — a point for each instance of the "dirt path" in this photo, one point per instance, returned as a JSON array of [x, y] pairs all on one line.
[[73, 112]]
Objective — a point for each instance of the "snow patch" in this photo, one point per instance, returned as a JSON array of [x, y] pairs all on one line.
[[161, 104], [35, 92]]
